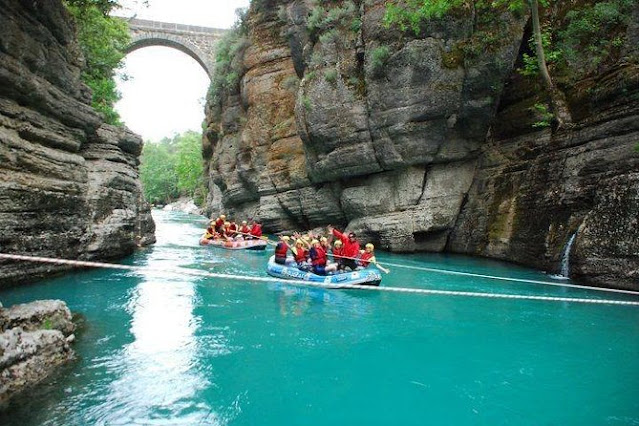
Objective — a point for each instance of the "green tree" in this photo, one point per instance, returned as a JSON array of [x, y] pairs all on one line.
[[173, 168], [189, 164], [103, 40], [411, 14], [157, 172]]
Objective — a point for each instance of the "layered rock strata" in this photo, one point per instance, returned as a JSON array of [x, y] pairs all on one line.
[[425, 143], [69, 184], [34, 342]]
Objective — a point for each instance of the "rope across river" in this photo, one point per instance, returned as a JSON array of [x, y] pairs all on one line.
[[194, 272]]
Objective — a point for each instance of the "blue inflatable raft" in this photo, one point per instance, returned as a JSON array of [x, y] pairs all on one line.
[[369, 276]]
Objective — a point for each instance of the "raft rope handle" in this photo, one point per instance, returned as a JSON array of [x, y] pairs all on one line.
[[194, 272]]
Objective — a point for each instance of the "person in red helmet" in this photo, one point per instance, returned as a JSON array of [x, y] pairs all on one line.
[[350, 249]]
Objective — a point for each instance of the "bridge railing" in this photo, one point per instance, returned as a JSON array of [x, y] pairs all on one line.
[[169, 26]]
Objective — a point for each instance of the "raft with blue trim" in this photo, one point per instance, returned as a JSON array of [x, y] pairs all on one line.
[[368, 276]]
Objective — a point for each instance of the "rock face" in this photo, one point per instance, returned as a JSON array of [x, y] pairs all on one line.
[[34, 342], [69, 183], [424, 143]]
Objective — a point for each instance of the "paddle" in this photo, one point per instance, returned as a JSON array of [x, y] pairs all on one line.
[[381, 268], [263, 237]]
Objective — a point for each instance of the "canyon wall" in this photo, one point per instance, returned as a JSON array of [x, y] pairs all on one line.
[[69, 184], [424, 143]]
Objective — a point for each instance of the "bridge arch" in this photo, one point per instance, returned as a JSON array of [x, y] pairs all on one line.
[[199, 43]]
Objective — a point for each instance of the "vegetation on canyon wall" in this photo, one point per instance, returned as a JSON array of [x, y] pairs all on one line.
[[173, 168], [568, 42], [103, 40]]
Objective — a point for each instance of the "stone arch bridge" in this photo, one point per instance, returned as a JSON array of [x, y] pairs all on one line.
[[200, 43]]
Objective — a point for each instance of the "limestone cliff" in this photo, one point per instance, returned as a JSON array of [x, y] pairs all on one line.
[[423, 143], [69, 183]]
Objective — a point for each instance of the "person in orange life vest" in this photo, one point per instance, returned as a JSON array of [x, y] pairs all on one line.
[[219, 223], [281, 249], [351, 247], [319, 260], [366, 256], [244, 229], [256, 229], [338, 251]]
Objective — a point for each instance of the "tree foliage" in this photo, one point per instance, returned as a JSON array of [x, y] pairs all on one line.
[[103, 40], [173, 168]]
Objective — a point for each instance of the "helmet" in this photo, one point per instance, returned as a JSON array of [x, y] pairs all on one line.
[[314, 242], [243, 222], [285, 237], [227, 224], [222, 217], [338, 243], [370, 246]]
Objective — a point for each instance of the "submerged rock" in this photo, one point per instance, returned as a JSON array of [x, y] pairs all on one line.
[[35, 341]]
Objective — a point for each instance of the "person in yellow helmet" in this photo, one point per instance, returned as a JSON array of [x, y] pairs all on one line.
[[366, 256]]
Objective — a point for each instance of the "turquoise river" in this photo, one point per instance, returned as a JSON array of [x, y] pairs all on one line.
[[170, 348]]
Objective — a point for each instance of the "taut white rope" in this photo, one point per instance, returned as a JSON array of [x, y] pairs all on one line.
[[520, 280], [194, 272]]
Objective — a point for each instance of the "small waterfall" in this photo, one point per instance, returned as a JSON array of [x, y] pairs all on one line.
[[565, 257]]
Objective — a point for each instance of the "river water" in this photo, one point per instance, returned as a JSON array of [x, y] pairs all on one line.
[[161, 348]]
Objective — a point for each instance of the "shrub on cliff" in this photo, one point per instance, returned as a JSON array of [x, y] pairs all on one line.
[[103, 40], [228, 69]]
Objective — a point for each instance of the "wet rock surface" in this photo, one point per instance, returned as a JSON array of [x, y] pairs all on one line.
[[34, 342]]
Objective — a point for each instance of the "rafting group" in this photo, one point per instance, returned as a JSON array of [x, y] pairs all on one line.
[[227, 234], [310, 252], [302, 256]]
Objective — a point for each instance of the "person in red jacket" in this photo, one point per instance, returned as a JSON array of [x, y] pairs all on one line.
[[367, 256], [256, 230], [351, 247], [319, 260], [281, 250]]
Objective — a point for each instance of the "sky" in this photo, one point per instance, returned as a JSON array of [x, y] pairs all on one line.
[[165, 92]]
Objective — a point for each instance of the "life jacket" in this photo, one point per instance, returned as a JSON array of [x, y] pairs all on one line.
[[244, 229], [232, 229], [363, 259], [318, 256], [219, 224], [349, 249], [280, 250], [300, 255], [256, 230]]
